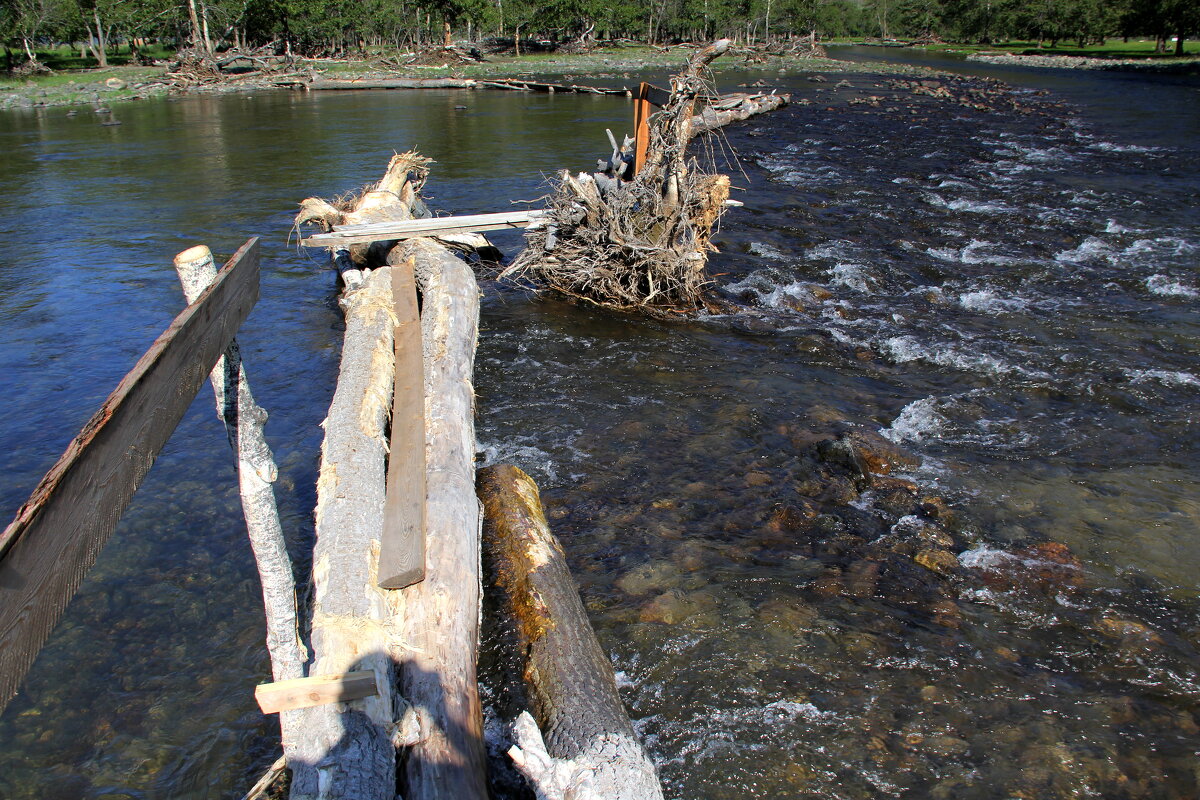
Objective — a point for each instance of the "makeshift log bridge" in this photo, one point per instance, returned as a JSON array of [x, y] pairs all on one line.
[[389, 696], [397, 568]]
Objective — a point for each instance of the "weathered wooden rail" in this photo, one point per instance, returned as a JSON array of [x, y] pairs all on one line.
[[57, 534]]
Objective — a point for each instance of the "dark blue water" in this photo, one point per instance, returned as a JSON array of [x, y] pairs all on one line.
[[1010, 296]]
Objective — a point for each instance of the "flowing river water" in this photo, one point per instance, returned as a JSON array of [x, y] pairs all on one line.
[[998, 289]]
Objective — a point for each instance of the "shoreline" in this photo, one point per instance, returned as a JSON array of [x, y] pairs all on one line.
[[1182, 66], [616, 67]]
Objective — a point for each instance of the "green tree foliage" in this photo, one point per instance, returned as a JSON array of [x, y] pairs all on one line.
[[349, 26]]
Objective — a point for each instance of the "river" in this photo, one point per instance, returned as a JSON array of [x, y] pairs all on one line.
[[1009, 297]]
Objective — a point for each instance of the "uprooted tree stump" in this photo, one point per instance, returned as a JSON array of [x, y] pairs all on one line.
[[639, 243]]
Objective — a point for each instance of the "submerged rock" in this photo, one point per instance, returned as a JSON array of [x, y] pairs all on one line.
[[943, 562], [867, 453]]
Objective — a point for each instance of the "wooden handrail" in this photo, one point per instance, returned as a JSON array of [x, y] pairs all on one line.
[[57, 534]]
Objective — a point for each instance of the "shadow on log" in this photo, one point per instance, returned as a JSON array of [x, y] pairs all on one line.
[[556, 668]]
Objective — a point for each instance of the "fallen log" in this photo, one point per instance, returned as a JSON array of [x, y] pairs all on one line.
[[244, 420], [735, 107], [440, 627], [516, 84], [352, 625], [563, 677], [329, 85]]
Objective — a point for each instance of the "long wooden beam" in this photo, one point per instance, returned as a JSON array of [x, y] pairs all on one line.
[[59, 531], [343, 235], [402, 548]]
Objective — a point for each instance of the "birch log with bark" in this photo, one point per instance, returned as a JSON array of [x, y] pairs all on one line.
[[441, 620], [353, 621], [244, 420], [558, 666]]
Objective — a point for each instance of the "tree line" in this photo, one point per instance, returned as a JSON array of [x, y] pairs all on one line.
[[346, 27]]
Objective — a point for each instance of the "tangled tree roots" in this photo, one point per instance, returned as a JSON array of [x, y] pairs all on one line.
[[641, 243]]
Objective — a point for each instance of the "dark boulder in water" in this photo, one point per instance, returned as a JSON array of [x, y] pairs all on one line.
[[867, 453]]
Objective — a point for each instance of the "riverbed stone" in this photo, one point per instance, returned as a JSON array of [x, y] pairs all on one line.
[[756, 479], [646, 578], [792, 517], [861, 579], [867, 453], [675, 606], [943, 562]]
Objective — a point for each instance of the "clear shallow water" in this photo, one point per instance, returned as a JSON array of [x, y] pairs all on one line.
[[1010, 297]]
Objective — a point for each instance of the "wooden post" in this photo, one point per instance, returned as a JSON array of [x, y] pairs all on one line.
[[244, 420], [57, 534], [641, 126]]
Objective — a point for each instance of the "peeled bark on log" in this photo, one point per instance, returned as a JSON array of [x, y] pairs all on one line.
[[353, 621], [391, 199], [567, 681], [244, 420], [727, 111], [441, 621]]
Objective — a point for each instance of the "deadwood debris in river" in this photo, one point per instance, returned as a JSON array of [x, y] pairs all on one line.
[[636, 235]]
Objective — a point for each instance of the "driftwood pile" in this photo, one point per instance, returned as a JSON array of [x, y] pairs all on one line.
[[636, 235], [197, 67]]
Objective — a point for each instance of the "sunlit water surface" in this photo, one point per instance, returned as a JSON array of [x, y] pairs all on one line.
[[1010, 297]]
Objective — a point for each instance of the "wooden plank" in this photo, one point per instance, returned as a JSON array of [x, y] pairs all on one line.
[[402, 549], [57, 534], [439, 223], [316, 690], [343, 235], [641, 127]]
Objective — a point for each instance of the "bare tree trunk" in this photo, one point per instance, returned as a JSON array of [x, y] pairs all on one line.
[[441, 623], [197, 37], [244, 420], [208, 45], [101, 46], [567, 680]]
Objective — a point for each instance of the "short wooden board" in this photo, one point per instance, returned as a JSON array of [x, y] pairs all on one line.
[[315, 691], [345, 235]]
